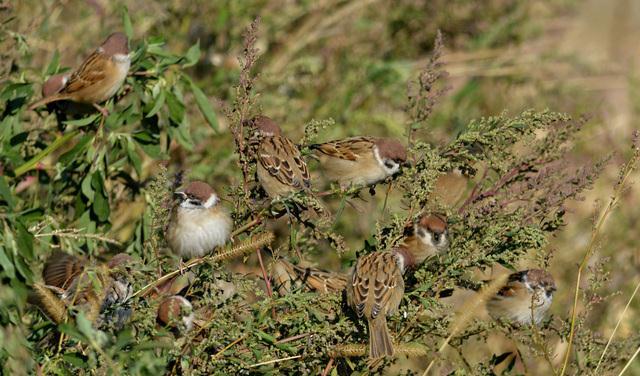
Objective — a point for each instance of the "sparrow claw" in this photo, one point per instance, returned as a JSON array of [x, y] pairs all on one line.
[[102, 110]]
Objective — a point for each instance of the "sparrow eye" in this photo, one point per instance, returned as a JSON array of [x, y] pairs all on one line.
[[436, 237]]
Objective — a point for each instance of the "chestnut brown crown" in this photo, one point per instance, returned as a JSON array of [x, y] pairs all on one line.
[[116, 44], [435, 223], [199, 190], [391, 148], [265, 125], [539, 277]]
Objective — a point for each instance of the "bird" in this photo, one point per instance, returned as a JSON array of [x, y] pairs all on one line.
[[451, 186], [525, 298], [360, 161], [281, 169], [198, 222], [429, 238], [287, 275], [96, 80], [54, 84], [374, 290], [101, 291], [176, 312]]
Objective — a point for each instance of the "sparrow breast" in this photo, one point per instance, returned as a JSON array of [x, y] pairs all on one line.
[[194, 233]]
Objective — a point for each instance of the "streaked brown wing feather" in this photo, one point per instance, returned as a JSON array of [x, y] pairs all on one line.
[[61, 269], [91, 71], [282, 159], [374, 283], [349, 149]]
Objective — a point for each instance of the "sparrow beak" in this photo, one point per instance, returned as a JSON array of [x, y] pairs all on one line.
[[179, 195]]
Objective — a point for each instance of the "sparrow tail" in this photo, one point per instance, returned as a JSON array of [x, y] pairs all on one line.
[[379, 339], [47, 100]]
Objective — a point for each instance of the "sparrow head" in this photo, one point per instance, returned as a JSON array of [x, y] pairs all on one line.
[[176, 312], [116, 44], [536, 281], [390, 153], [431, 229], [197, 195], [265, 126], [54, 84]]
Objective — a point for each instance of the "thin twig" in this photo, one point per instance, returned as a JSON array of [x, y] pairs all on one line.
[[328, 367], [630, 360], [616, 327], [275, 361], [628, 168]]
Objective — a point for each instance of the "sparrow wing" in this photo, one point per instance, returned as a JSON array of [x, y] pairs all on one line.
[[283, 160], [61, 269], [376, 282], [350, 149], [92, 70]]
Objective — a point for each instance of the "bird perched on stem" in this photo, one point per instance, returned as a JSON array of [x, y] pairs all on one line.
[[280, 167], [376, 284], [96, 80], [525, 298], [360, 161], [198, 222], [429, 238]]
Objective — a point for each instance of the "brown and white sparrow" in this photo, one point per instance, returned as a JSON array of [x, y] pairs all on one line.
[[374, 290], [101, 291], [525, 298], [360, 160], [429, 238], [97, 79], [176, 312], [287, 276], [451, 186], [198, 222], [281, 169]]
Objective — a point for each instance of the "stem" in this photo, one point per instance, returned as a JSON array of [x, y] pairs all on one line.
[[629, 167], [55, 145]]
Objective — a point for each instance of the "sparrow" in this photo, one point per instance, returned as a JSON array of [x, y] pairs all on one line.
[[176, 312], [286, 275], [450, 187], [429, 238], [54, 84], [525, 298], [374, 290], [198, 222], [97, 79], [360, 161], [280, 167], [101, 291]]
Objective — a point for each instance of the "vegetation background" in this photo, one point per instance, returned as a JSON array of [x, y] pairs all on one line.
[[349, 61]]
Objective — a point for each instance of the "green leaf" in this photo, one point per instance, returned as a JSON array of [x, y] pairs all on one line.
[[126, 22], [205, 107], [159, 101], [192, 56], [75, 360], [5, 192], [101, 207], [176, 108], [7, 265], [53, 66], [87, 191], [33, 162], [82, 122], [67, 157]]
